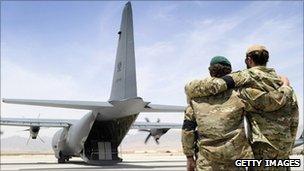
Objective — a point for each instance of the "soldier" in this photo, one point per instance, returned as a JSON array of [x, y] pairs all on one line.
[[272, 133], [218, 122]]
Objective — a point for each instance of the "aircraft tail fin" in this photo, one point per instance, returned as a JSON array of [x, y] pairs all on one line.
[[124, 79]]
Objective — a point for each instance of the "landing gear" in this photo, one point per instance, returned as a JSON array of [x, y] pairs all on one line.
[[61, 160]]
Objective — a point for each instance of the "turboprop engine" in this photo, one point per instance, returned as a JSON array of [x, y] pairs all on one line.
[[34, 130], [155, 133]]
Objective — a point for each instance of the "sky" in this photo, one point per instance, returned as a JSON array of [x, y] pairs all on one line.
[[66, 50]]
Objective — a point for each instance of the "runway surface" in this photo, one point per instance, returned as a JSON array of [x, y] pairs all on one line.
[[131, 162]]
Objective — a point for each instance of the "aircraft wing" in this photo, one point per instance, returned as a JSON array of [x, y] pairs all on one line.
[[36, 122], [299, 141], [151, 125], [87, 105], [163, 108]]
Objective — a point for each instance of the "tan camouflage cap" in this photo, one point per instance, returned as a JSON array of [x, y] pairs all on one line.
[[256, 48]]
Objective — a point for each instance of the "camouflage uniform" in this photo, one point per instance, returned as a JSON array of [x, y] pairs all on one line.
[[221, 132], [272, 132], [219, 122]]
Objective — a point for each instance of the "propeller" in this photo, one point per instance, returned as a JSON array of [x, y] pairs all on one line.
[[148, 137], [40, 139], [155, 133], [28, 140], [147, 119], [34, 130]]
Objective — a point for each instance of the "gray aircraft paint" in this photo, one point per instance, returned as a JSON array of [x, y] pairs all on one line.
[[112, 123], [108, 122], [79, 132], [124, 79]]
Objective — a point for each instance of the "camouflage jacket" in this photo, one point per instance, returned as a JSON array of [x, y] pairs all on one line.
[[220, 127], [275, 127]]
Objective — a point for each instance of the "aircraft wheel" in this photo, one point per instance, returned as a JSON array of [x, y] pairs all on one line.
[[61, 160]]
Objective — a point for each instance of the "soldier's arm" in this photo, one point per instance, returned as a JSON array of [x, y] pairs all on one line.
[[188, 133], [212, 85], [289, 93], [260, 101], [294, 117]]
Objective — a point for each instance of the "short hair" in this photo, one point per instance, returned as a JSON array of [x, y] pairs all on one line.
[[259, 57], [219, 70]]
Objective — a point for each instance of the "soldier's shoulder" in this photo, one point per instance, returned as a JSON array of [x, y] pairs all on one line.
[[195, 82], [238, 71], [262, 69]]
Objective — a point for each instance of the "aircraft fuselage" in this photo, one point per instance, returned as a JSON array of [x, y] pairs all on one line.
[[97, 135]]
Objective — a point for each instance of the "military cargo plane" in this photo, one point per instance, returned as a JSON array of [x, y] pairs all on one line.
[[96, 136]]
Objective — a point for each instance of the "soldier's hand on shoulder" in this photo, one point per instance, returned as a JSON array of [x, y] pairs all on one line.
[[285, 80]]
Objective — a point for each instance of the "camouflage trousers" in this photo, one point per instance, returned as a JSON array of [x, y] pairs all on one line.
[[202, 164], [263, 151]]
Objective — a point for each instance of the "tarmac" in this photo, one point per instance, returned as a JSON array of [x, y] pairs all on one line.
[[160, 162], [130, 162]]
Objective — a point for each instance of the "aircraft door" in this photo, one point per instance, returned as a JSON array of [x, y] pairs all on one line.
[[104, 151]]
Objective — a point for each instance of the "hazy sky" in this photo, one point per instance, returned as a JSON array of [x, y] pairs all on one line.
[[66, 50]]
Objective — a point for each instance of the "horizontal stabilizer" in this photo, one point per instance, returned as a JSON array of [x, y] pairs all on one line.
[[87, 105], [298, 142], [155, 125], [163, 108], [36, 122]]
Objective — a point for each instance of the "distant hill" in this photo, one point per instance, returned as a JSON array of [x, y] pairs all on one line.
[[132, 143], [18, 144]]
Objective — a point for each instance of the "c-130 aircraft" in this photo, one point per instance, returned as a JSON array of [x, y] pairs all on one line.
[[96, 136]]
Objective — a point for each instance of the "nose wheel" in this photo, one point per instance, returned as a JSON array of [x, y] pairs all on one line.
[[62, 158]]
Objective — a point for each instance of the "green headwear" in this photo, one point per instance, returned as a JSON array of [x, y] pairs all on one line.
[[220, 60]]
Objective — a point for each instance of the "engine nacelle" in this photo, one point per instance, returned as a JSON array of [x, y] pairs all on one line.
[[157, 133], [34, 130]]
